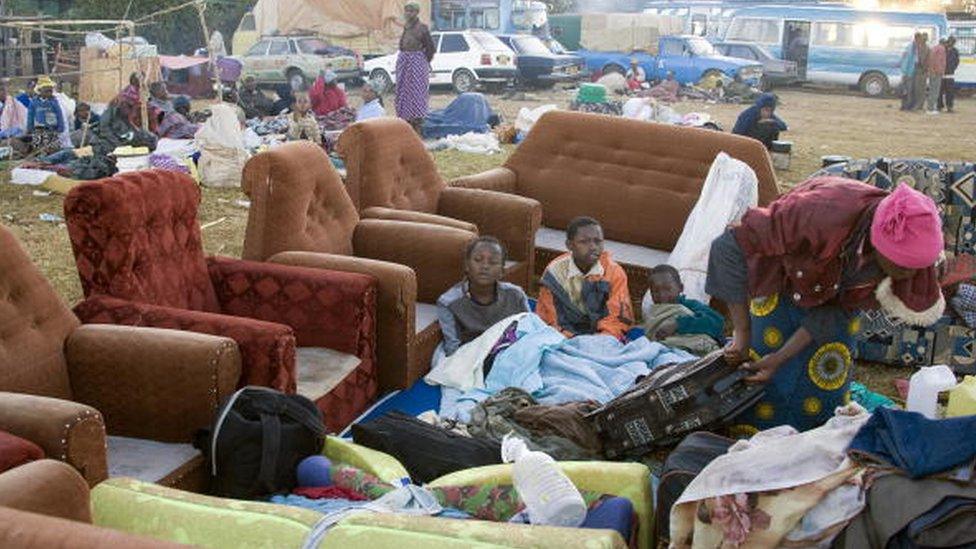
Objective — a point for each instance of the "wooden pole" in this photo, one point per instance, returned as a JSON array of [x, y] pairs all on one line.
[[143, 86], [217, 85]]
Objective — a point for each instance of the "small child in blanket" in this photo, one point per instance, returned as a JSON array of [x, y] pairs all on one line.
[[678, 321], [480, 300]]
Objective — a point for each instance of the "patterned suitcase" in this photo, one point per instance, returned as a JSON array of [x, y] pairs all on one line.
[[672, 401]]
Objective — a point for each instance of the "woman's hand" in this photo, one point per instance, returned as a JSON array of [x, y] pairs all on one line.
[[762, 370]]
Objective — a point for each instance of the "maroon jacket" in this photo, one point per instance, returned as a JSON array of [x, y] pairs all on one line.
[[798, 246]]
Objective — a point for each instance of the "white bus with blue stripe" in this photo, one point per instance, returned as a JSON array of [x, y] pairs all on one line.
[[965, 33], [838, 45]]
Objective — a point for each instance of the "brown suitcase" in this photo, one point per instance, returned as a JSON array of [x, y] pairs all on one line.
[[672, 401]]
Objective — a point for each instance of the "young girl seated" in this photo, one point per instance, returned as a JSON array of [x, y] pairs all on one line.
[[301, 122], [480, 300]]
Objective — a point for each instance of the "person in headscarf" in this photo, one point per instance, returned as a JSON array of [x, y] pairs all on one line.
[[636, 76], [176, 123], [45, 119], [796, 273], [760, 121], [413, 68], [129, 105], [372, 101], [326, 95]]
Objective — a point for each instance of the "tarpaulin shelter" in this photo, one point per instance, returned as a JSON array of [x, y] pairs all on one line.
[[362, 25]]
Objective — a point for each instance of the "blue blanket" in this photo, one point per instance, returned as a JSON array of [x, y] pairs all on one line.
[[468, 113], [555, 370]]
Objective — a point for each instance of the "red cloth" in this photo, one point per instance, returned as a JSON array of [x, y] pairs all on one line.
[[937, 60], [16, 451], [329, 492], [326, 99], [794, 245]]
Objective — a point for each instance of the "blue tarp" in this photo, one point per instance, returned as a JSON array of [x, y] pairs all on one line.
[[468, 113]]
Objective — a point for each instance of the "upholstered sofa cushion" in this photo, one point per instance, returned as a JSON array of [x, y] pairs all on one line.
[[640, 179], [644, 257], [146, 460], [16, 451]]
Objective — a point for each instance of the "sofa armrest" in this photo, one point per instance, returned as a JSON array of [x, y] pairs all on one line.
[[395, 300], [267, 349], [434, 252], [149, 382], [510, 218], [34, 531], [46, 487], [499, 179], [325, 308], [65, 430], [391, 214]]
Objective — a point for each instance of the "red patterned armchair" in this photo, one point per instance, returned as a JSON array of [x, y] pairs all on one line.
[[62, 386], [139, 253]]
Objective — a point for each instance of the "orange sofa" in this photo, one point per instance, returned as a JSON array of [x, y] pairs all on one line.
[[639, 179]]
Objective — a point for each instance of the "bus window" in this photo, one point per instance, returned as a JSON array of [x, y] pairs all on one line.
[[836, 35], [764, 31], [965, 40]]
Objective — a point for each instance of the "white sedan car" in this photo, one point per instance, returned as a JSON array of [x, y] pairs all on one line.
[[466, 60]]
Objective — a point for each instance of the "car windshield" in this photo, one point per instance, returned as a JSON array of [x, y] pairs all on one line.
[[530, 45], [701, 47], [763, 52], [556, 47], [488, 41], [312, 45]]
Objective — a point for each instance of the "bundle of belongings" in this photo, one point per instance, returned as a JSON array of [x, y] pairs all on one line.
[[592, 98], [587, 397], [468, 113], [888, 479]]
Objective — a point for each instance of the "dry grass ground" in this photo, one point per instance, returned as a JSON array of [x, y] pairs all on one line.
[[820, 124]]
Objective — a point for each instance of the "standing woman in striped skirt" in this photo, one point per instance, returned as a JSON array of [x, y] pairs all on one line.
[[413, 68]]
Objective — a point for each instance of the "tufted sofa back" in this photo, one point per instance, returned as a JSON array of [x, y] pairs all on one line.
[[34, 324], [388, 166], [135, 236], [639, 179], [298, 203]]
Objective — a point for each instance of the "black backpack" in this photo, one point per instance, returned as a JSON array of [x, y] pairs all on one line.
[[259, 437]]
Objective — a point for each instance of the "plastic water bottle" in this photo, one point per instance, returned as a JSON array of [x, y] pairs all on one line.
[[962, 399], [924, 388], [550, 497]]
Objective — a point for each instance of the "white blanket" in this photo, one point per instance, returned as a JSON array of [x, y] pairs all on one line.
[[730, 189], [464, 369]]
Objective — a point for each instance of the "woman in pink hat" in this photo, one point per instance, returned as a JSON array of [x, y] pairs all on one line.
[[795, 274]]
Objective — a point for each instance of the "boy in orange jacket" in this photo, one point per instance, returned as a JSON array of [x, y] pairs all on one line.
[[584, 291]]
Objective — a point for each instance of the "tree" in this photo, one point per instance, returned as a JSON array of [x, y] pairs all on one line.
[[175, 32]]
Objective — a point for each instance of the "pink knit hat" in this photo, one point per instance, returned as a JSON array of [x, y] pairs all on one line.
[[907, 230]]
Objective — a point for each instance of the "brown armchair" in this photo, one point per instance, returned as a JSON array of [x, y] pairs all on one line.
[[390, 173], [639, 179], [67, 384], [47, 504], [301, 215], [139, 251]]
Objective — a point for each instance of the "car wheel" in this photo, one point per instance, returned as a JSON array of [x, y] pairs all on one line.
[[296, 79], [613, 68], [464, 81], [384, 78], [874, 84]]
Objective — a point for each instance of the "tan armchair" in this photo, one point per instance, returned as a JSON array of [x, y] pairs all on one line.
[[46, 504], [639, 179], [66, 384], [391, 175], [301, 215]]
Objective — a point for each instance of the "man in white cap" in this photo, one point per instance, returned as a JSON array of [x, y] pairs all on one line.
[[326, 95], [372, 101]]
